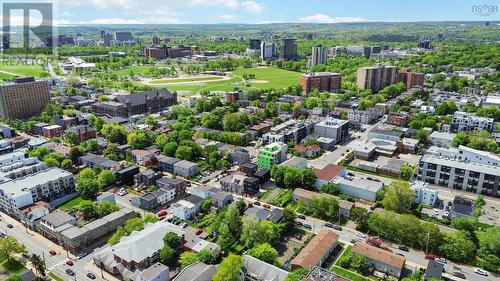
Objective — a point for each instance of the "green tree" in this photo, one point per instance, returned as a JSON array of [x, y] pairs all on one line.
[[360, 217], [9, 246], [330, 188], [206, 256], [407, 171], [140, 139], [105, 208], [468, 225], [187, 258], [229, 269], [39, 152], [462, 138], [67, 165], [205, 205], [88, 188], [38, 264], [106, 178], [233, 219], [225, 238], [172, 239], [184, 152], [458, 247], [398, 197], [265, 253], [88, 209], [14, 277], [114, 133], [71, 138], [167, 255], [170, 149]]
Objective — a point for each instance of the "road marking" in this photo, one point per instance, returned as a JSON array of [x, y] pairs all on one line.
[[56, 265]]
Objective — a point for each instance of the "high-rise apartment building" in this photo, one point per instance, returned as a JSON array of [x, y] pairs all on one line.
[[24, 98], [122, 36], [107, 39], [376, 77], [255, 44], [267, 50], [321, 81], [411, 79], [289, 49], [318, 56]]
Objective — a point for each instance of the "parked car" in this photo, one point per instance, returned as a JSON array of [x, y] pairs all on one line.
[[403, 248], [429, 256], [91, 275], [256, 203], [266, 206], [481, 271], [302, 217], [441, 260], [10, 225], [70, 272], [459, 274], [308, 226], [350, 174], [328, 225], [2, 235], [198, 232], [52, 253], [377, 180], [337, 227], [359, 234], [184, 225], [369, 178], [69, 262]]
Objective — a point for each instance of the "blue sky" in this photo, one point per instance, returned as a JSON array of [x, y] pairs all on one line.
[[265, 11]]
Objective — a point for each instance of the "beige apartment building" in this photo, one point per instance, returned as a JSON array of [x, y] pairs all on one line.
[[23, 98], [376, 77]]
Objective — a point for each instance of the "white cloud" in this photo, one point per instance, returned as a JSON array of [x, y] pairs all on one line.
[[226, 17], [322, 18], [252, 6], [233, 4]]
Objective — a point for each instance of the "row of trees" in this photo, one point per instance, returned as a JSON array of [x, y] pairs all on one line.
[[291, 177]]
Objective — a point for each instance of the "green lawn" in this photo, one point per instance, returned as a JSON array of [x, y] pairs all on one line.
[[3, 257], [269, 77], [55, 277], [187, 79], [22, 70], [13, 266], [75, 202], [348, 273], [136, 69]]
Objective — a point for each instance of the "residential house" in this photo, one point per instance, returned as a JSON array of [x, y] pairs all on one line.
[[186, 168], [316, 251], [147, 178], [185, 208], [137, 252], [197, 271], [126, 175], [156, 272], [328, 173], [255, 269], [52, 131], [166, 163], [296, 162], [382, 260], [345, 207], [82, 133], [274, 215], [179, 185]]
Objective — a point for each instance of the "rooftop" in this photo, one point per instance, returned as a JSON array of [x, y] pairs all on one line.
[[329, 172], [316, 249], [379, 254]]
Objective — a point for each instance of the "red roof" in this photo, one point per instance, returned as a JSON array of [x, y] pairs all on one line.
[[329, 172]]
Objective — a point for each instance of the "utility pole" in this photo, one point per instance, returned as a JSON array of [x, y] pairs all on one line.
[[427, 244]]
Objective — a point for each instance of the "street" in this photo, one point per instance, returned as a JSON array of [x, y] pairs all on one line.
[[37, 244]]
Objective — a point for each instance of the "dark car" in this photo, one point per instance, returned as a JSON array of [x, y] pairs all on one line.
[[308, 226], [337, 227], [256, 203], [459, 274], [10, 225], [2, 235], [267, 206], [91, 275], [302, 217], [70, 272], [404, 248], [350, 174], [328, 225]]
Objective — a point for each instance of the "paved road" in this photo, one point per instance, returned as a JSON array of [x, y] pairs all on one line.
[[37, 244]]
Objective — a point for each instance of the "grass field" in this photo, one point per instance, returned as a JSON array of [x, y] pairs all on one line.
[[136, 69], [22, 70], [75, 202], [187, 79], [268, 77]]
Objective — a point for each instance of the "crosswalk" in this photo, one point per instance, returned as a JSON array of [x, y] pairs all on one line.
[[54, 266]]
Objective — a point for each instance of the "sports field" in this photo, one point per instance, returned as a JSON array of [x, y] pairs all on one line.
[[265, 78], [8, 71], [187, 79]]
